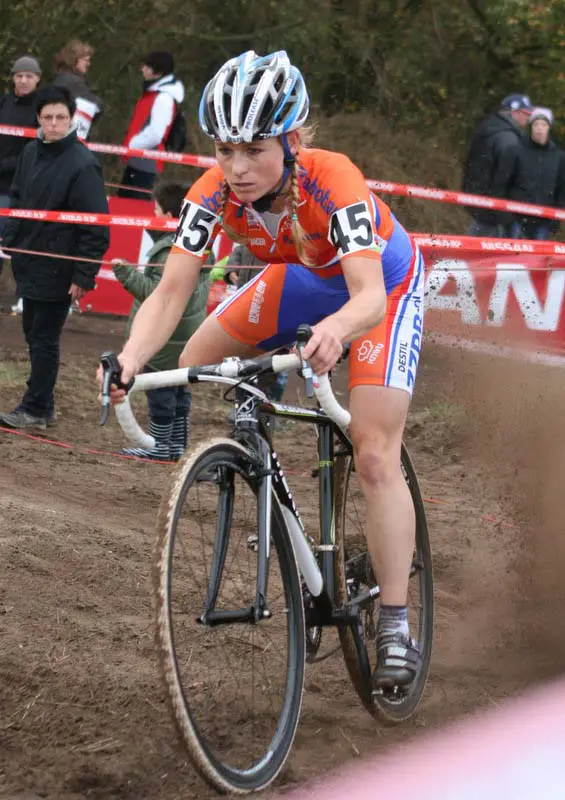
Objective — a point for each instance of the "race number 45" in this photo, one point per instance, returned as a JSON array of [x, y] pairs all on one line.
[[351, 229], [195, 229]]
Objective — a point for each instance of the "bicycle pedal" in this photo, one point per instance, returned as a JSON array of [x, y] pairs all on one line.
[[392, 694]]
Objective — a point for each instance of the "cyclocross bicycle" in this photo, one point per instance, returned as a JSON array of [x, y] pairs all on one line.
[[243, 592]]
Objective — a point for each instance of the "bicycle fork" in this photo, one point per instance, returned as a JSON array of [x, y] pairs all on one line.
[[259, 609]]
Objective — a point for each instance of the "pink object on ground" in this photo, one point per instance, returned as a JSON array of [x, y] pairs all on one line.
[[514, 752]]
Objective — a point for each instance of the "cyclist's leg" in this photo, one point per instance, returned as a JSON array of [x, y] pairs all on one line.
[[378, 415], [213, 341], [210, 344], [383, 367]]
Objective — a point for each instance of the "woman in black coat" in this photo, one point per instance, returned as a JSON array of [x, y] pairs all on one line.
[[533, 172], [55, 172]]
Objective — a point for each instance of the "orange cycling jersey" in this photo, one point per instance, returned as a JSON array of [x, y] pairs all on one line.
[[338, 212]]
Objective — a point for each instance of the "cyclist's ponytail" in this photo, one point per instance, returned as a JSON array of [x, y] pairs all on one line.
[[298, 233], [236, 237]]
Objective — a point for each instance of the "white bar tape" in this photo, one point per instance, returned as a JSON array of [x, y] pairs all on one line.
[[156, 380], [133, 431], [328, 401], [284, 362]]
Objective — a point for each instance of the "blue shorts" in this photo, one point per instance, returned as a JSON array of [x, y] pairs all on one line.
[[266, 312]]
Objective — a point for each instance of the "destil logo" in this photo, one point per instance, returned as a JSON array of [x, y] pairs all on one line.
[[409, 350]]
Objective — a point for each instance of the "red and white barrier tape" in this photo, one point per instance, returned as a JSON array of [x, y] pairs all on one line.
[[78, 218], [548, 267], [487, 245], [385, 187], [430, 241], [462, 199], [119, 150]]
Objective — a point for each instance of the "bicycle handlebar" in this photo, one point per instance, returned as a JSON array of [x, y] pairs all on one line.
[[229, 371]]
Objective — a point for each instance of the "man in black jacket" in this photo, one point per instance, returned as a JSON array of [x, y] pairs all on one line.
[[490, 141], [55, 173], [17, 108]]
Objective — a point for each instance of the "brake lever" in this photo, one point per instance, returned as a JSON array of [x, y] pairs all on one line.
[[111, 374], [303, 334]]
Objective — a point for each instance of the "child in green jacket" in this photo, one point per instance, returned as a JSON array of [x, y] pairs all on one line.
[[168, 407]]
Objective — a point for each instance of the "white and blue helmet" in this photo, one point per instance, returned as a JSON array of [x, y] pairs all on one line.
[[254, 97]]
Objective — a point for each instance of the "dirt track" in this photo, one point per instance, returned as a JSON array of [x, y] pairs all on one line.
[[82, 709]]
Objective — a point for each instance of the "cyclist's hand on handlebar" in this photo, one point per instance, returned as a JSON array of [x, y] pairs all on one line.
[[324, 347], [130, 368]]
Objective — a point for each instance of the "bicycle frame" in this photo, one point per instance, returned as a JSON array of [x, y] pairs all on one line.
[[252, 405], [249, 429], [231, 494]]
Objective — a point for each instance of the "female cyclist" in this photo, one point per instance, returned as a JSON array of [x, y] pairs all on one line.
[[338, 260]]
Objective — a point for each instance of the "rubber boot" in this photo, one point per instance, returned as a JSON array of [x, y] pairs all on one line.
[[162, 433], [179, 438]]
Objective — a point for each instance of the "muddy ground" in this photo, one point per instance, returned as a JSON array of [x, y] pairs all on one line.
[[82, 710]]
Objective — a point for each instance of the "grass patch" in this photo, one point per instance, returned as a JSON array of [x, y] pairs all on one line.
[[13, 373]]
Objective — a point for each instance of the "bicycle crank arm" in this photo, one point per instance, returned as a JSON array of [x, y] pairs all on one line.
[[375, 591], [360, 600]]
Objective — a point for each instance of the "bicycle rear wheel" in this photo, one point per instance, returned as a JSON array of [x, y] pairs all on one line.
[[354, 575], [235, 689]]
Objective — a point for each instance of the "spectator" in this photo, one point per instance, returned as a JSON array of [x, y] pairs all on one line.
[[490, 141], [242, 257], [17, 108], [152, 120], [71, 65], [168, 407], [533, 172], [55, 172]]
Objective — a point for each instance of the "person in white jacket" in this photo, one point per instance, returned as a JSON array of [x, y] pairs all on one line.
[[151, 121]]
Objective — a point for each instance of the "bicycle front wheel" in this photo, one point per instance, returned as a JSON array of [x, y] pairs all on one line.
[[354, 577], [235, 688]]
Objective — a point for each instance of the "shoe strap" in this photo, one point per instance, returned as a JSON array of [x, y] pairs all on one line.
[[395, 648]]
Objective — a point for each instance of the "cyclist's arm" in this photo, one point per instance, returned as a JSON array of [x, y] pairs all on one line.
[[365, 309], [160, 314], [353, 229], [367, 304]]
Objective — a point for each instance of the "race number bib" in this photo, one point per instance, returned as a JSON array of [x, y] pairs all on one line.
[[195, 230], [351, 229]]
